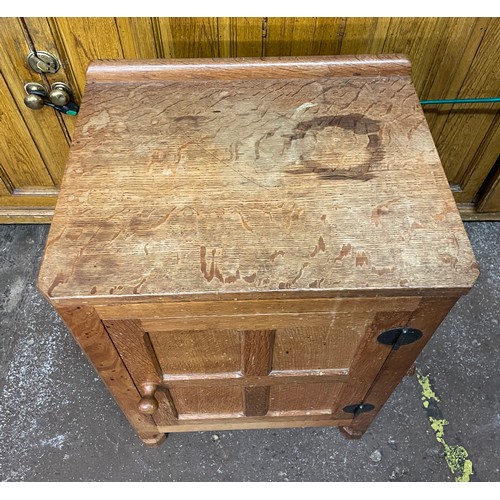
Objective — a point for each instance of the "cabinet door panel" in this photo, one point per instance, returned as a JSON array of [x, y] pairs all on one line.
[[207, 402], [294, 371], [193, 352], [303, 399]]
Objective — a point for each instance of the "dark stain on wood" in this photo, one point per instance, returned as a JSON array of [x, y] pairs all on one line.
[[275, 254], [358, 173], [356, 122], [382, 270], [361, 259], [320, 247], [316, 283], [344, 252]]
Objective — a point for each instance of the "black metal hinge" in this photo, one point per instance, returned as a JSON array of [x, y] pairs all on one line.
[[399, 336], [359, 408]]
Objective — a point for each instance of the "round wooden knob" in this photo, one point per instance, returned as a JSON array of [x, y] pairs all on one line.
[[148, 404]]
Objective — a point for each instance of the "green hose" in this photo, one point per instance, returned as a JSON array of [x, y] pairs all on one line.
[[461, 101]]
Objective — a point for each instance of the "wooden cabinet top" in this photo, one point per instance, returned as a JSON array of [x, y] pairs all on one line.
[[253, 178]]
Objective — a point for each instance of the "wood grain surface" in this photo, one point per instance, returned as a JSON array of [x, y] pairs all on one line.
[[233, 186], [240, 232]]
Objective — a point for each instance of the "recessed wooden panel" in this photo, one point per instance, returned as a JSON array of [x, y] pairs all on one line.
[[327, 347], [303, 398], [205, 402], [197, 352]]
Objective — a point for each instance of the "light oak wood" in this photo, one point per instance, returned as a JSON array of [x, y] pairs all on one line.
[[397, 362], [93, 338], [452, 57], [302, 247], [232, 237]]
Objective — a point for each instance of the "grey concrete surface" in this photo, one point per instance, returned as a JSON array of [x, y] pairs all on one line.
[[59, 423]]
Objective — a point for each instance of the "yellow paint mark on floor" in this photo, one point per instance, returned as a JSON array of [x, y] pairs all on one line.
[[455, 455]]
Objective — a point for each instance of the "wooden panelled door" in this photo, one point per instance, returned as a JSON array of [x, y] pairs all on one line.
[[304, 367], [452, 57]]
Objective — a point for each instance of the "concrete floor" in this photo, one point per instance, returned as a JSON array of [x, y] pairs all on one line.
[[59, 423]]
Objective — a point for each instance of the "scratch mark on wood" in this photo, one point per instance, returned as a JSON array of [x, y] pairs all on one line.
[[449, 259], [257, 142], [59, 280], [358, 173], [320, 247], [275, 254], [244, 222], [288, 284], [381, 209], [192, 209], [138, 287], [163, 219]]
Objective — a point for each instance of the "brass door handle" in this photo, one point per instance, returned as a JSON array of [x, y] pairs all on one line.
[[59, 97]]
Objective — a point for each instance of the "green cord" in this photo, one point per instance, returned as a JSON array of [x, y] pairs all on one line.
[[461, 101]]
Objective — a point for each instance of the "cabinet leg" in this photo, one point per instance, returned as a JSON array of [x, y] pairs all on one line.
[[153, 440], [350, 433]]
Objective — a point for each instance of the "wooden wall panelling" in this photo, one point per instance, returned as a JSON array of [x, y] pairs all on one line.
[[84, 39], [3, 188], [137, 37], [23, 209], [449, 70], [21, 162], [364, 35], [240, 36], [467, 127], [45, 128], [420, 39], [295, 36], [490, 202], [189, 36]]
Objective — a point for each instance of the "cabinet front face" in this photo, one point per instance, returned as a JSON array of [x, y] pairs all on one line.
[[215, 370]]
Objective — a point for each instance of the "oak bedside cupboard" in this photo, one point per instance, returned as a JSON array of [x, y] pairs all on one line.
[[253, 243]]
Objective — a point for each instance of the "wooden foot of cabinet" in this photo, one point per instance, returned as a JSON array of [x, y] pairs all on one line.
[[153, 441], [350, 433]]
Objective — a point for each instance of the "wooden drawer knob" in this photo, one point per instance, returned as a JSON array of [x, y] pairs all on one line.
[[148, 403]]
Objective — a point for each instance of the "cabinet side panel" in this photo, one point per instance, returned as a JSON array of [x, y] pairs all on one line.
[[94, 340]]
